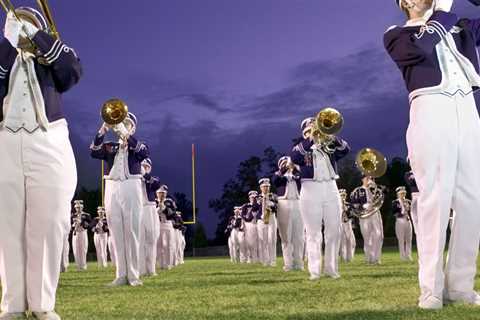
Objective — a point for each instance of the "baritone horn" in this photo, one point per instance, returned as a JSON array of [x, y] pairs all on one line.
[[114, 112], [371, 162], [328, 122]]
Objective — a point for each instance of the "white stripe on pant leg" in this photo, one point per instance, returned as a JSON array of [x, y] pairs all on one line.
[[12, 226], [465, 237], [50, 185], [431, 137]]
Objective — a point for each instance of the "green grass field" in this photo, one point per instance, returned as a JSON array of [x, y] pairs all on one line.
[[216, 289]]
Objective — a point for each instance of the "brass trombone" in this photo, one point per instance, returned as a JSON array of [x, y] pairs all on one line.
[[46, 12]]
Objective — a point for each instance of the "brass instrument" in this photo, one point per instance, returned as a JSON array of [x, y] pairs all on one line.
[[327, 124], [267, 211], [47, 19], [371, 163], [47, 13], [114, 112]]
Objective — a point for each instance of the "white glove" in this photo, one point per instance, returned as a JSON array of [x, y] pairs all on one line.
[[443, 5], [29, 30], [13, 28], [367, 206], [121, 130]]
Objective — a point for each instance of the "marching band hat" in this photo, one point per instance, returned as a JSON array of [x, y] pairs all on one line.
[[163, 188], [253, 193], [264, 182], [306, 124], [283, 161], [400, 189], [33, 16], [342, 191], [78, 202], [147, 161], [133, 118]]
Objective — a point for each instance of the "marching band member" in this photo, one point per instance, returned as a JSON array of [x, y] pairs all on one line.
[[363, 200], [250, 215], [100, 237], [267, 224], [319, 198], [183, 244], [403, 227], [347, 241], [238, 236], [123, 195], [166, 241], [81, 224], [150, 227], [290, 223], [38, 177], [410, 180], [436, 53], [177, 227], [228, 231]]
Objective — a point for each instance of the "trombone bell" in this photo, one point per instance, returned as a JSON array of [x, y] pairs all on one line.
[[114, 112], [371, 162]]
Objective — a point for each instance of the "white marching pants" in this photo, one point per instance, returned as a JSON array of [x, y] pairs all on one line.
[[414, 211], [292, 233], [267, 241], [347, 242], [230, 248], [80, 249], [443, 141], [166, 242], [403, 230], [149, 233], [101, 241], [320, 203], [123, 205], [178, 248], [111, 250], [372, 233], [181, 253], [251, 242], [37, 183], [238, 244], [65, 262]]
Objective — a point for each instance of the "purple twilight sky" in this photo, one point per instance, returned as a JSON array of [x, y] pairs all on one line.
[[232, 76]]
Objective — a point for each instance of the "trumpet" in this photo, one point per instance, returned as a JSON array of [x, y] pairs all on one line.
[[327, 124]]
